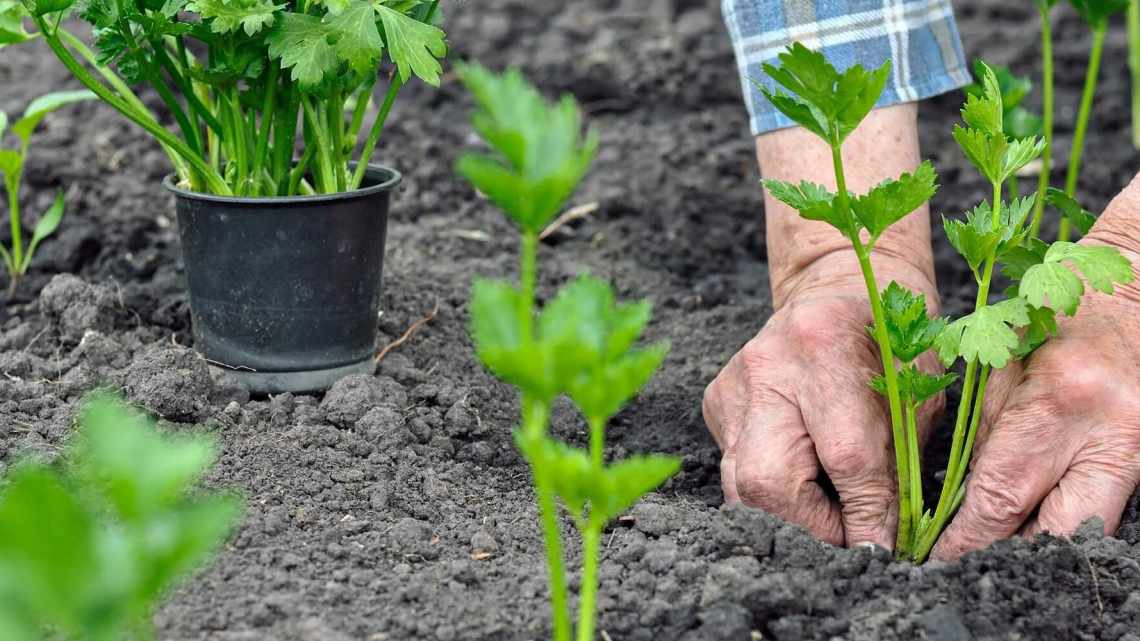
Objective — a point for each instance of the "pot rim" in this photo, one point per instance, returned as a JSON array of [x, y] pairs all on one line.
[[393, 179]]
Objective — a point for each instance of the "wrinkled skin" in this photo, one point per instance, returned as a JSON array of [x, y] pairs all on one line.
[[795, 404]]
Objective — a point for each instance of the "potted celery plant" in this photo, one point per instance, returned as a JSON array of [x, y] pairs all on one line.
[[283, 248]]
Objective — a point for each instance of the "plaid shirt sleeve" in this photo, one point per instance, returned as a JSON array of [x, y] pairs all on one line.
[[919, 36]]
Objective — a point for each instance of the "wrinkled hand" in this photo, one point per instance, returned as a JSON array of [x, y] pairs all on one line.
[[1059, 440], [795, 403]]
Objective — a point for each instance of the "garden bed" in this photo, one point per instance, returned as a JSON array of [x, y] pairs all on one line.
[[396, 507]]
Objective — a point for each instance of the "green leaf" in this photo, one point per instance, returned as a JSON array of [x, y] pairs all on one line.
[[588, 341], [177, 541], [915, 385], [44, 7], [1056, 282], [540, 154], [1020, 153], [501, 342], [974, 244], [1022, 123], [813, 202], [986, 335], [601, 393], [45, 227], [910, 329], [1018, 260], [1096, 13], [569, 469], [138, 471], [891, 200], [983, 109], [229, 16], [358, 42], [1081, 218], [1052, 285], [12, 26], [833, 103], [1042, 325], [415, 47], [11, 162], [3, 124], [301, 43], [625, 482], [987, 152], [42, 106], [798, 111]]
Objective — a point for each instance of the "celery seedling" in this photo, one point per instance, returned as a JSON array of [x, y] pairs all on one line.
[[1019, 122], [581, 344], [1048, 278], [1095, 14], [831, 105], [89, 546], [18, 257], [236, 76]]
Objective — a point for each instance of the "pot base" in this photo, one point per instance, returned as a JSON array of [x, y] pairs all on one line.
[[296, 382]]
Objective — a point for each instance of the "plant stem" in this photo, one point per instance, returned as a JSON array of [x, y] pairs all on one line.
[[597, 440], [1083, 115], [12, 183], [374, 133], [904, 538], [536, 415], [1134, 66], [587, 600], [969, 413], [915, 463], [1047, 119], [214, 182]]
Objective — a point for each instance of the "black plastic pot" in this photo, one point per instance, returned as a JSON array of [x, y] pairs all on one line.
[[285, 292]]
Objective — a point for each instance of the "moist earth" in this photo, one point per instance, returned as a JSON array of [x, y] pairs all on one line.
[[394, 506]]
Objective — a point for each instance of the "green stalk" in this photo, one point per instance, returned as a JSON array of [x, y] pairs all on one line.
[[954, 487], [915, 462], [374, 133], [154, 77], [1047, 119], [12, 183], [1074, 169], [1014, 187], [363, 97], [268, 109], [1134, 66], [969, 412], [907, 519], [315, 125], [124, 91], [334, 115], [214, 182], [597, 441], [587, 600]]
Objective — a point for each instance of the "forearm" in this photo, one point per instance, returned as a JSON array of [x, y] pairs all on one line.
[[807, 256]]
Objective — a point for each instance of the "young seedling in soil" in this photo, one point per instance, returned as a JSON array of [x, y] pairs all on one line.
[[1047, 278], [580, 344], [237, 75], [17, 258], [89, 545], [1019, 122], [1096, 14]]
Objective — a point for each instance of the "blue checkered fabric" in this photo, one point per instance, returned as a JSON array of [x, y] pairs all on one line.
[[919, 36]]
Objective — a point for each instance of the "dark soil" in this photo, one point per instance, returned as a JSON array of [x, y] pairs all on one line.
[[367, 505]]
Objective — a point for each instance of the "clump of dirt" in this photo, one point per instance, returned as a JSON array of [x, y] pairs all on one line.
[[395, 506]]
